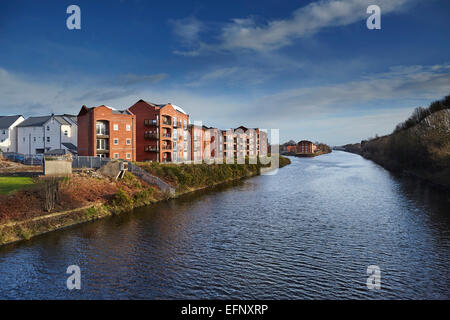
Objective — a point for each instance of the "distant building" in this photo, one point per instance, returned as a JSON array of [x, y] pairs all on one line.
[[161, 132], [244, 142], [107, 132], [37, 135], [306, 146], [8, 132], [291, 149]]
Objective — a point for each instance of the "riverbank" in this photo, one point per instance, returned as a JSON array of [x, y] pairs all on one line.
[[419, 147], [88, 196], [311, 155]]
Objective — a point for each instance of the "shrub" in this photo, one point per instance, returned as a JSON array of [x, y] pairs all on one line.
[[122, 200]]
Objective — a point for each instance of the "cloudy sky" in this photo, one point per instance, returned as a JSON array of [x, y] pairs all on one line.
[[309, 68]]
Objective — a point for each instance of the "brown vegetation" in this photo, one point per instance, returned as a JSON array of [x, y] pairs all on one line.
[[420, 146]]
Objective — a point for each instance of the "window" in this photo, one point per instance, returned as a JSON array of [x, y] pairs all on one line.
[[128, 127], [128, 155], [116, 127], [101, 128], [66, 133], [116, 141], [128, 141], [4, 131], [34, 139], [48, 139], [116, 156], [48, 128], [101, 144]]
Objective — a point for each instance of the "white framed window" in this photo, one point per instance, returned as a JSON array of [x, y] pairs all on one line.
[[66, 133], [116, 156], [48, 128], [116, 141], [48, 139], [128, 128], [116, 127], [128, 155], [128, 141]]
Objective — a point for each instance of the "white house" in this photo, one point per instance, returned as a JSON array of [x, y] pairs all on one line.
[[8, 132], [38, 135]]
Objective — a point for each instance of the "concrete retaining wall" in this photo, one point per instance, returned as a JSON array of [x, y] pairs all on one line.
[[57, 167]]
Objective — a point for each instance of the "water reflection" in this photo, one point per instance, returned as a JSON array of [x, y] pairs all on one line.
[[308, 232]]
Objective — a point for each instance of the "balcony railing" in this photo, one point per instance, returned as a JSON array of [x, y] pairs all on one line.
[[151, 149], [166, 135], [151, 135], [167, 147], [151, 122]]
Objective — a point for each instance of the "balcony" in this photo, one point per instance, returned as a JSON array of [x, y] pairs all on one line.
[[166, 121], [167, 147], [166, 135], [151, 149], [151, 135], [151, 122]]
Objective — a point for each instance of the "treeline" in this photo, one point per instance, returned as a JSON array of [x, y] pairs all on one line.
[[420, 146], [420, 113]]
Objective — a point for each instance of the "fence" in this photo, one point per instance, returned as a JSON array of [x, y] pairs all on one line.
[[144, 175], [28, 159], [90, 162]]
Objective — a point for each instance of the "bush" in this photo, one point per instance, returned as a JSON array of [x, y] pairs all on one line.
[[122, 200]]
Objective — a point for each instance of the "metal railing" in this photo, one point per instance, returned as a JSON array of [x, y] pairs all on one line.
[[90, 162]]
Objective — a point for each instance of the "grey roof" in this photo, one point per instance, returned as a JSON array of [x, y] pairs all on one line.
[[40, 121], [69, 145], [120, 111], [73, 118], [34, 121], [61, 120], [7, 121]]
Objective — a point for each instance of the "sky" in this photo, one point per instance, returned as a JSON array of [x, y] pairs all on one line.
[[311, 69]]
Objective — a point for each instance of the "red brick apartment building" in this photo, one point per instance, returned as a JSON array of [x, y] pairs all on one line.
[[161, 132], [306, 146], [244, 142], [205, 144], [106, 132]]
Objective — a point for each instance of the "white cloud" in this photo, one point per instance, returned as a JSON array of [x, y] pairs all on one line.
[[337, 114], [131, 78], [248, 34]]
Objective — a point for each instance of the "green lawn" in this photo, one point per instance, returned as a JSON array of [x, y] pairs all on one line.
[[10, 184]]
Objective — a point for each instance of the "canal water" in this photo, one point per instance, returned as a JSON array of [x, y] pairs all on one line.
[[308, 232]]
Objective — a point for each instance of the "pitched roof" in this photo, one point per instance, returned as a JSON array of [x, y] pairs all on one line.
[[40, 121], [7, 121], [69, 146], [34, 121], [61, 120]]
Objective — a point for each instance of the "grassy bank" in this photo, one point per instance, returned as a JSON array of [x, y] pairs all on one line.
[[419, 147], [11, 184], [87, 196]]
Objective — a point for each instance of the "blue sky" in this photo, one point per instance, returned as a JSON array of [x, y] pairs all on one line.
[[311, 69]]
